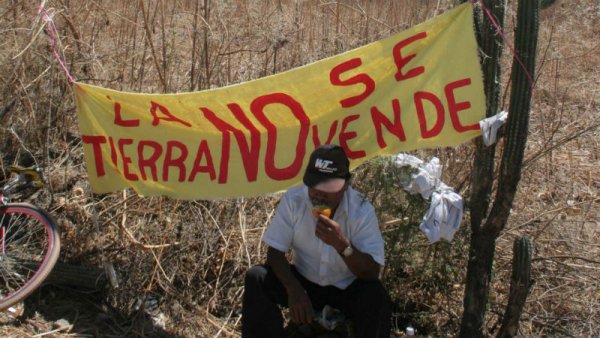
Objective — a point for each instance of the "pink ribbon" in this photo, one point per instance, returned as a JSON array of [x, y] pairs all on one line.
[[513, 51], [52, 37]]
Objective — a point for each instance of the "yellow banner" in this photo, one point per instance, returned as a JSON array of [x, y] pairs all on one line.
[[421, 88]]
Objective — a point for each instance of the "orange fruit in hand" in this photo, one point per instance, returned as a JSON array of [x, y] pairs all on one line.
[[321, 210]]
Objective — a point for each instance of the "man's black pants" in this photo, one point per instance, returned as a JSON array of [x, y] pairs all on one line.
[[366, 303]]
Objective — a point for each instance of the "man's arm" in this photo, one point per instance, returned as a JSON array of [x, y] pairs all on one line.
[[299, 303], [362, 265]]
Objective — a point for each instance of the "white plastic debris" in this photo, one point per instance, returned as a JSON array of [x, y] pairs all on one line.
[[444, 216], [160, 320], [109, 269], [427, 178], [410, 331], [330, 318], [405, 159], [489, 127]]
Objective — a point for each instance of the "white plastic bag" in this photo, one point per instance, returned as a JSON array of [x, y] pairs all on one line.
[[489, 127], [444, 216]]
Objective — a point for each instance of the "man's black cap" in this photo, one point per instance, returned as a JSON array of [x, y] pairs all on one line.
[[326, 162]]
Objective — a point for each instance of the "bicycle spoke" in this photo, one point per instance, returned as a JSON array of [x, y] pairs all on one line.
[[26, 239], [12, 280]]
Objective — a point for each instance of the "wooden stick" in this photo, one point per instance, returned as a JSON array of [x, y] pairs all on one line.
[[149, 39]]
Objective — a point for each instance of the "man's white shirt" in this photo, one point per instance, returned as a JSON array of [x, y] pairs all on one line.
[[293, 227]]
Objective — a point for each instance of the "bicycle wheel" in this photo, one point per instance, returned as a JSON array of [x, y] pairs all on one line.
[[29, 248]]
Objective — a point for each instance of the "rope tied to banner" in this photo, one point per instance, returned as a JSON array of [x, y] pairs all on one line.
[[500, 32], [53, 40]]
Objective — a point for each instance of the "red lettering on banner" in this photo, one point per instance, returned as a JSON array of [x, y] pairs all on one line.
[[172, 161], [402, 61], [257, 107], [119, 121], [454, 107], [250, 153], [439, 108], [96, 141], [113, 151], [121, 143], [225, 142], [334, 77], [348, 135], [315, 134], [168, 115], [395, 128], [149, 161], [203, 151]]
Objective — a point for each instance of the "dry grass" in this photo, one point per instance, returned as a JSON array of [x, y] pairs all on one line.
[[190, 257]]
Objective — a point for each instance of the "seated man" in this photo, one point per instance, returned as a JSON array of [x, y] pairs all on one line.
[[336, 258]]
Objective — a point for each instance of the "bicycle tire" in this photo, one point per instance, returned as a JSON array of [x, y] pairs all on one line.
[[29, 249]]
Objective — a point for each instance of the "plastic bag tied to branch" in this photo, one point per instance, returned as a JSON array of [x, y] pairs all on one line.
[[490, 126], [444, 216]]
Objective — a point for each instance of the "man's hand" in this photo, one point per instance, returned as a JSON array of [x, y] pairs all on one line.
[[329, 232], [299, 303], [301, 310], [362, 265]]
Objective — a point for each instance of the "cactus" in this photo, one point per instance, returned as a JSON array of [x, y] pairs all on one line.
[[520, 283], [491, 45], [483, 238], [481, 252], [547, 3], [523, 70]]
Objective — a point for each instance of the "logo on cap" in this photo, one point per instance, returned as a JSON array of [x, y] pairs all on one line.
[[323, 165], [326, 162]]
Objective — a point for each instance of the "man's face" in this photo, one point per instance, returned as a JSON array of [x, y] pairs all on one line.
[[330, 199]]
